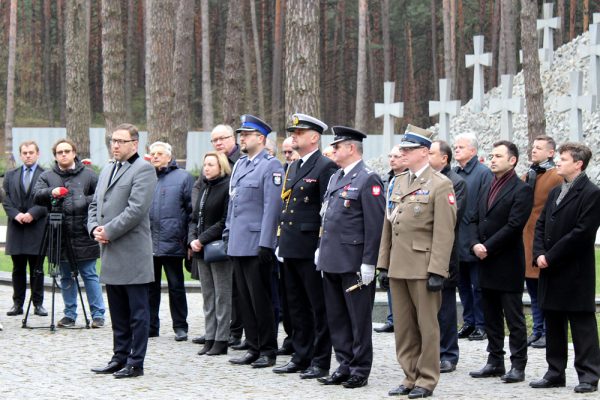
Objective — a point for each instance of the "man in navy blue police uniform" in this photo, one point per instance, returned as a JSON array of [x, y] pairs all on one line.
[[352, 215], [250, 229], [304, 187]]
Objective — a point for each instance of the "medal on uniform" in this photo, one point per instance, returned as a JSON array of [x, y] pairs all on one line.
[[344, 193], [347, 203], [412, 198]]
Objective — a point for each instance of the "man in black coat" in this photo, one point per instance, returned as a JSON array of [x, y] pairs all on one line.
[[26, 223], [497, 240], [440, 157], [305, 185], [563, 249]]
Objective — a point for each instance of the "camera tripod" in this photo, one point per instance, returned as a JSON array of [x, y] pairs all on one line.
[[52, 244]]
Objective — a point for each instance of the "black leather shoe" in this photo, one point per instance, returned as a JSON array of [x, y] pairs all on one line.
[[489, 371], [465, 331], [478, 334], [234, 341], [246, 359], [400, 391], [585, 387], [129, 371], [242, 346], [199, 339], [218, 348], [419, 393], [547, 384], [285, 351], [540, 343], [288, 368], [263, 362], [314, 372], [111, 367], [386, 328], [153, 334], [15, 310], [207, 347], [513, 376], [40, 310], [532, 338], [180, 335], [335, 379], [355, 382], [447, 366]]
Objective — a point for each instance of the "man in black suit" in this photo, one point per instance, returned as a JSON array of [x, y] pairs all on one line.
[[305, 185], [497, 240], [25, 231], [563, 249]]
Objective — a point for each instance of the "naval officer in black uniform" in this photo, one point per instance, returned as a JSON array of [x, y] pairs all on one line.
[[304, 187], [353, 212]]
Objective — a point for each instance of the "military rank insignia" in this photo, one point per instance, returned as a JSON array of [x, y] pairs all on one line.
[[277, 178]]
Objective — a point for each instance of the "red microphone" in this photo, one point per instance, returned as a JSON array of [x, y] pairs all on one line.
[[62, 192]]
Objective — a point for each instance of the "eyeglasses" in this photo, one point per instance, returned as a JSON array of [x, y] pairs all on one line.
[[220, 139], [288, 151], [246, 134], [61, 152], [120, 142]]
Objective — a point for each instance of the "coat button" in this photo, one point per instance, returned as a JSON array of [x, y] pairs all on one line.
[[292, 211], [290, 222]]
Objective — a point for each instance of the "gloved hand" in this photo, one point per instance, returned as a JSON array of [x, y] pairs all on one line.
[[367, 273], [265, 255], [317, 256], [280, 259], [435, 282], [384, 281]]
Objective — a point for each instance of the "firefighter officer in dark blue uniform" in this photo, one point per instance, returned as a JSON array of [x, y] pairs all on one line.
[[352, 212], [303, 190]]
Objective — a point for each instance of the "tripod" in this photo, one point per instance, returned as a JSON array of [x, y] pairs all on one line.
[[52, 243]]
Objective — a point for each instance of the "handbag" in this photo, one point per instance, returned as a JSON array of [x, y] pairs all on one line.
[[215, 251]]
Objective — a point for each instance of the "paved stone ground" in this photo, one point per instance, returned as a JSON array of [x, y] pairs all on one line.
[[36, 363]]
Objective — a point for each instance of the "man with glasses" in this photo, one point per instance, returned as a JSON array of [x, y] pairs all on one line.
[[119, 220]]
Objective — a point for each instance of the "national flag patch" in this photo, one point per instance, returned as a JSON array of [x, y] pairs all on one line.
[[451, 199], [376, 190]]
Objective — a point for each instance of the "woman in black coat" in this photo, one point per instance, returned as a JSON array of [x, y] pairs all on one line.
[[210, 200]]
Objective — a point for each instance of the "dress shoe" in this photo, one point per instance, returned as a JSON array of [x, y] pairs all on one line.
[[419, 393], [207, 347], [153, 334], [532, 338], [111, 367], [446, 366], [540, 343], [40, 310], [355, 382], [129, 371], [180, 335], [489, 371], [199, 339], [263, 362], [285, 351], [513, 376], [585, 387], [335, 379], [246, 359], [218, 348], [15, 310], [478, 334], [314, 372], [400, 391], [288, 368], [386, 328], [242, 346], [234, 341], [547, 384], [465, 331]]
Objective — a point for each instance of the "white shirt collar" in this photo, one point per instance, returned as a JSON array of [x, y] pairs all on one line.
[[307, 156], [351, 166], [419, 172]]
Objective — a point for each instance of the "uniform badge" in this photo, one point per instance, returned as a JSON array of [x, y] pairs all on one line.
[[277, 178], [306, 199], [451, 199], [295, 120], [347, 203], [376, 190], [417, 210], [309, 180]]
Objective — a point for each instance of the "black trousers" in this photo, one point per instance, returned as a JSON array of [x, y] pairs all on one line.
[[447, 319], [349, 316], [177, 299], [237, 326], [19, 279], [584, 332], [498, 305], [285, 309], [306, 304], [253, 281], [130, 316]]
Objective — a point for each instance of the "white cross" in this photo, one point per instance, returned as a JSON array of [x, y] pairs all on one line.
[[445, 108], [596, 19], [387, 110], [478, 60], [507, 105], [547, 23], [575, 103], [593, 51]]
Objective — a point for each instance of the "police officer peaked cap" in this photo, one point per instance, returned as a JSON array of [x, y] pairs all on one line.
[[416, 137], [303, 121], [342, 133], [252, 123]]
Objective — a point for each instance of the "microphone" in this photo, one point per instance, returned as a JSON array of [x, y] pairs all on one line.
[[62, 192]]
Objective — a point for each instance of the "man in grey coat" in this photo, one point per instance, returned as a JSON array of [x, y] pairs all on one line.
[[119, 220]]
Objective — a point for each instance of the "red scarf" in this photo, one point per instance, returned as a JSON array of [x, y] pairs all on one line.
[[497, 185]]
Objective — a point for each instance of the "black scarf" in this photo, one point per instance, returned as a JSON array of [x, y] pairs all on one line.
[[538, 169]]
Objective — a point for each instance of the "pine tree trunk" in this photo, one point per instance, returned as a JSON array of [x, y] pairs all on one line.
[[449, 44], [586, 15], [233, 73], [572, 13], [495, 28], [360, 111], [78, 113], [130, 61], [276, 106], [47, 64], [460, 59], [387, 45], [10, 83], [434, 55], [559, 34], [257, 56], [62, 74], [507, 62], [247, 56], [207, 101]]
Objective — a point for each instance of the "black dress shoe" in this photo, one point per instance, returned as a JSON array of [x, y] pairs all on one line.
[[513, 376], [355, 382], [447, 366], [478, 334], [263, 362], [532, 338], [208, 345], [335, 379], [234, 341], [314, 372], [15, 310], [40, 310], [181, 335], [199, 339], [419, 393], [288, 368], [386, 328], [465, 331], [242, 346], [285, 351], [400, 391], [540, 343], [111, 367], [218, 348], [547, 384], [246, 359], [129, 371], [489, 371], [585, 387]]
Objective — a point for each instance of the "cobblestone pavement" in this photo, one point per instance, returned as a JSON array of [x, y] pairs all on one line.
[[36, 363]]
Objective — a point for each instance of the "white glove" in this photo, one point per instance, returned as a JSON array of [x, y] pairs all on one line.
[[317, 256], [367, 273], [280, 259]]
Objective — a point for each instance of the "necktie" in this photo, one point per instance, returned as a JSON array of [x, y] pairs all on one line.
[[27, 179], [341, 176], [413, 177], [115, 170], [300, 161]]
